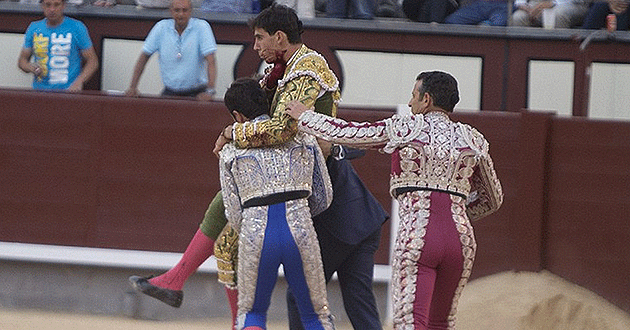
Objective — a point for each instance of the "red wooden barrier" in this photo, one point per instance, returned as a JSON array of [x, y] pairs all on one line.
[[138, 173]]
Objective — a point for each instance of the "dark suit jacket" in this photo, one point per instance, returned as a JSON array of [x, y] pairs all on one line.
[[354, 213]]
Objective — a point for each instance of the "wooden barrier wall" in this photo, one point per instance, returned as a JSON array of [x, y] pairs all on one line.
[[137, 173]]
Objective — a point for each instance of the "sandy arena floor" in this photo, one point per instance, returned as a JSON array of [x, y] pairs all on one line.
[[505, 301]]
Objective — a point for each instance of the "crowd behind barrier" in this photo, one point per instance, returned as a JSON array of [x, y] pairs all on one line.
[[592, 14], [506, 55]]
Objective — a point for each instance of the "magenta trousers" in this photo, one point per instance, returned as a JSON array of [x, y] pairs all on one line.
[[433, 256]]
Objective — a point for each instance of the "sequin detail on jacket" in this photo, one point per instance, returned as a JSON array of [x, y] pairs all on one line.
[[307, 79], [428, 151]]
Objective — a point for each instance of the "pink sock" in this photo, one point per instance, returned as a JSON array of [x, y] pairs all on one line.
[[233, 299], [200, 248]]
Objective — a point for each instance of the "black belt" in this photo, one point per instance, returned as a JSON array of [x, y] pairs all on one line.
[[402, 190], [192, 92], [276, 198]]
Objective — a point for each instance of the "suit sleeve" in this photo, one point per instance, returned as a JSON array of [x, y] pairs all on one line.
[[322, 193]]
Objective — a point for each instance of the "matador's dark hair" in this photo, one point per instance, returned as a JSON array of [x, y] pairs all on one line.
[[247, 97], [441, 86], [279, 18]]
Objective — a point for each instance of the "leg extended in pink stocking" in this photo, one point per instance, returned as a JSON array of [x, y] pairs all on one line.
[[200, 248], [168, 286]]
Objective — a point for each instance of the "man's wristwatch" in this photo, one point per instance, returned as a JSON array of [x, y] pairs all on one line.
[[211, 90]]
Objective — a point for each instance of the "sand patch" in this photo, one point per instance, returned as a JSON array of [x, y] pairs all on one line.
[[528, 300]]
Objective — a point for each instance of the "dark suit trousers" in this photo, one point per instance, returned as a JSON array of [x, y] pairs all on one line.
[[354, 265]]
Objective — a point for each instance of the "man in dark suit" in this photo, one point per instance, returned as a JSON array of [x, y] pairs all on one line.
[[349, 234], [349, 231]]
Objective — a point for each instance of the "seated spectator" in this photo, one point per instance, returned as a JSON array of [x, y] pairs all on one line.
[[104, 3], [596, 16], [230, 6], [357, 9], [568, 13], [490, 12], [429, 11]]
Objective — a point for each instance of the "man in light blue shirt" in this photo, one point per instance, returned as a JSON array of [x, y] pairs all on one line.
[[183, 43]]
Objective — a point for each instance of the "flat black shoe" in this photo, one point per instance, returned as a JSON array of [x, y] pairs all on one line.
[[170, 297]]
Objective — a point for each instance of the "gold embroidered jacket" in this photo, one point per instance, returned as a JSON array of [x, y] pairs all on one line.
[[307, 79]]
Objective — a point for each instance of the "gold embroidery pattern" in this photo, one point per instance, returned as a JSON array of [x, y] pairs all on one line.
[[308, 61], [226, 252], [303, 89], [307, 78]]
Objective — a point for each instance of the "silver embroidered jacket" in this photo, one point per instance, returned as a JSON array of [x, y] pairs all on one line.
[[264, 176], [428, 151]]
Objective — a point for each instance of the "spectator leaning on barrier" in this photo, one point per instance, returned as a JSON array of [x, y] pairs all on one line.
[[356, 9], [58, 44], [184, 43], [567, 13]]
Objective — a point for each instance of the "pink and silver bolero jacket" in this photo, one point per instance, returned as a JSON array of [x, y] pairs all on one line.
[[429, 152]]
